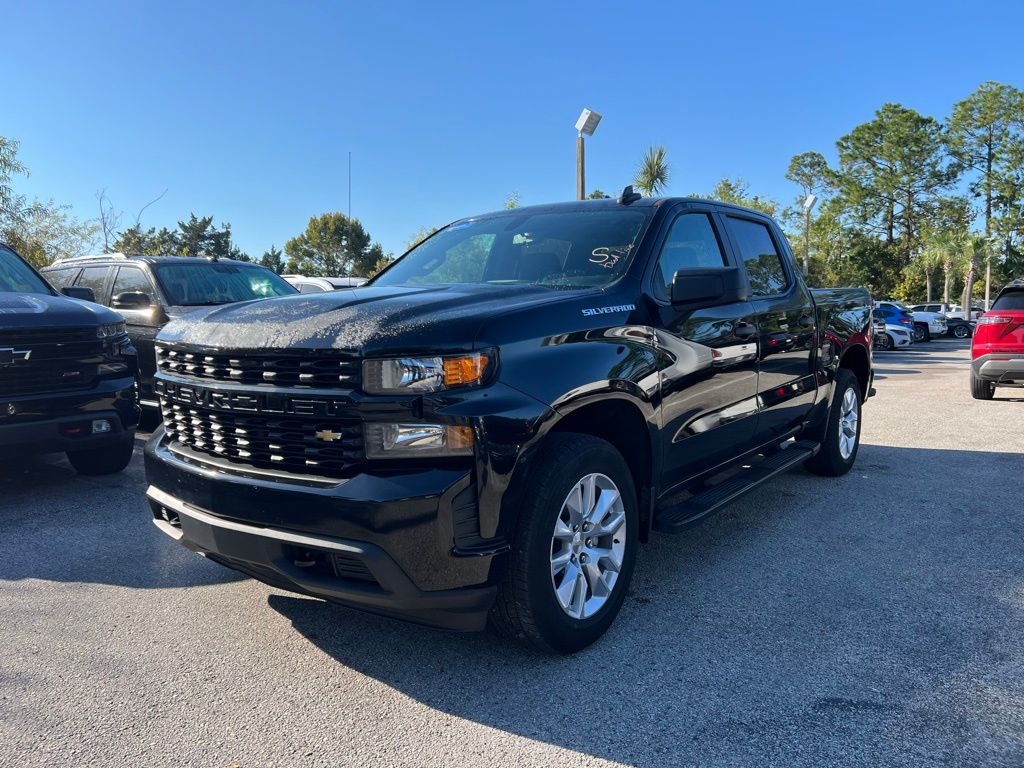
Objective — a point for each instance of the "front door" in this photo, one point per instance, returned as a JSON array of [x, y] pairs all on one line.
[[786, 328], [709, 384]]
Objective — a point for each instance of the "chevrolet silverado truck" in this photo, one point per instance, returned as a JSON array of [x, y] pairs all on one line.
[[491, 427], [67, 373]]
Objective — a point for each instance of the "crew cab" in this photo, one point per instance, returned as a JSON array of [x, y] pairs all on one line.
[[67, 373], [150, 291], [491, 426], [997, 349]]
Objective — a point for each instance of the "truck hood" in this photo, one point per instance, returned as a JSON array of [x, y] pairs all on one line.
[[372, 320], [38, 310]]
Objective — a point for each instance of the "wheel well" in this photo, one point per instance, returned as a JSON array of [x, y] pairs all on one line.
[[855, 359], [623, 425]]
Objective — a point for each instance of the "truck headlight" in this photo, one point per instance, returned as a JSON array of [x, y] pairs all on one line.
[[403, 441], [109, 331], [416, 375]]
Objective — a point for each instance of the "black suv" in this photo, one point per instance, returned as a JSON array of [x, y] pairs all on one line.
[[67, 373], [494, 423], [149, 291]]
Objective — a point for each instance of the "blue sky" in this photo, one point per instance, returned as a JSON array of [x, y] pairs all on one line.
[[248, 111]]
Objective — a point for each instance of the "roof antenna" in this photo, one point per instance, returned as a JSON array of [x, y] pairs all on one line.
[[628, 195]]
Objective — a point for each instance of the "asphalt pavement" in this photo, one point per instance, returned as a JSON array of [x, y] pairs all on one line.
[[874, 620]]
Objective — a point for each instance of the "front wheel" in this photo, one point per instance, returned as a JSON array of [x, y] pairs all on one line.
[[104, 461], [842, 431], [962, 331], [574, 547], [921, 333], [885, 342]]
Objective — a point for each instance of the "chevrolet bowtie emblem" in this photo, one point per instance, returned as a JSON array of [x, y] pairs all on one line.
[[10, 355], [328, 435]]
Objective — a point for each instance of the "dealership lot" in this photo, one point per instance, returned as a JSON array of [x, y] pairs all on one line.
[[872, 620]]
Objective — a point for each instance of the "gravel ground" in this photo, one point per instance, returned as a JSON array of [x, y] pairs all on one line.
[[874, 620]]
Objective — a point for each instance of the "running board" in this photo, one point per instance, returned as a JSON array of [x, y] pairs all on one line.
[[675, 518]]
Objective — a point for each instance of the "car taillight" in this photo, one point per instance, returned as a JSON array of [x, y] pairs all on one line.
[[905, 320], [994, 320]]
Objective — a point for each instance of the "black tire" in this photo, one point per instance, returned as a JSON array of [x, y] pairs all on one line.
[[921, 333], [981, 389], [962, 331], [104, 461], [885, 342], [526, 607], [829, 461]]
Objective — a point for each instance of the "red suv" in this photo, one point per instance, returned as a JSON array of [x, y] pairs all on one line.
[[997, 350]]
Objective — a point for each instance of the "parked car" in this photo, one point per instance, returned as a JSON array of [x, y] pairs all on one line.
[[322, 284], [959, 328], [903, 318], [889, 336], [150, 291], [926, 324], [997, 350], [492, 425], [951, 311], [67, 373]]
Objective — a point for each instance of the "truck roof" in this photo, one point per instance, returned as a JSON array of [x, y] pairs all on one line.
[[144, 259], [611, 202]]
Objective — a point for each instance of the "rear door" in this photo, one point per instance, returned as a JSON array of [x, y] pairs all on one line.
[[709, 404], [142, 322], [786, 326]]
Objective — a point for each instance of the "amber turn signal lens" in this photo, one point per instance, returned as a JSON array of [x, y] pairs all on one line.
[[466, 369]]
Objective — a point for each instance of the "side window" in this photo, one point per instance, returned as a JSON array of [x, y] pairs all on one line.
[[760, 256], [95, 278], [691, 244], [309, 288], [59, 278], [132, 279]]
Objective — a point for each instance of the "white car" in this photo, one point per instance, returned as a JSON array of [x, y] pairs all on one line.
[[890, 335], [926, 324], [949, 310], [323, 284]]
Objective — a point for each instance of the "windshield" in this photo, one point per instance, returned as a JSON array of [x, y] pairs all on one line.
[[568, 249], [211, 282], [17, 277]]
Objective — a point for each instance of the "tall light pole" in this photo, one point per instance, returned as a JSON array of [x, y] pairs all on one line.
[[587, 124], [809, 203]]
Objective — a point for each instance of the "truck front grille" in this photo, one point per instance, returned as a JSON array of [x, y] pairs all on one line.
[[328, 446], [43, 360], [334, 369]]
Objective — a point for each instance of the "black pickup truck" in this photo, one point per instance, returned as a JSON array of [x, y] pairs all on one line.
[[491, 426], [67, 373]]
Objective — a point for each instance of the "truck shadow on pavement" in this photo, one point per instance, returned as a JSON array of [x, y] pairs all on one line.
[[57, 525], [814, 622]]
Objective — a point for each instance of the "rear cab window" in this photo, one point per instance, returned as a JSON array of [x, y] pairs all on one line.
[[765, 269]]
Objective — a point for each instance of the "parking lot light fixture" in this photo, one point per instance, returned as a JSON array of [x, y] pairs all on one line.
[[586, 125]]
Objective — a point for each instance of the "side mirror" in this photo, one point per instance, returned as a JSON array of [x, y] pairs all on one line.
[[708, 287], [78, 292], [131, 300]]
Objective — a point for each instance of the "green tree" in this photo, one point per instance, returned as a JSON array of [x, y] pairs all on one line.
[[512, 201], [892, 171], [737, 192], [985, 137], [12, 206], [653, 174], [597, 194], [333, 245], [273, 259]]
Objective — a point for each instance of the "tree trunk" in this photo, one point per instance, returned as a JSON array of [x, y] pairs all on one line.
[[928, 283], [947, 268]]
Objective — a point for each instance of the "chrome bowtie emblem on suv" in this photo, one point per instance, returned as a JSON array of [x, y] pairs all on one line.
[[10, 355], [328, 435]]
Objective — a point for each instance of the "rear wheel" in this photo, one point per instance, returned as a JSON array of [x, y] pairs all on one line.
[[921, 333], [574, 547], [842, 431], [106, 460], [981, 389]]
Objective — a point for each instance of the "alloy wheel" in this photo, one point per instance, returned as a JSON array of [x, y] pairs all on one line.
[[588, 545], [849, 415]]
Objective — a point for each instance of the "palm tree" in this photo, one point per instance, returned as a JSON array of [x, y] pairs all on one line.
[[652, 176]]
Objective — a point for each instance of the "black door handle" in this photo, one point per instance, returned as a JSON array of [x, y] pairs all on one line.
[[744, 330]]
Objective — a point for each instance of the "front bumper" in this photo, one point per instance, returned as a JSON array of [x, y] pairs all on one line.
[[381, 542], [47, 423], [1001, 368]]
